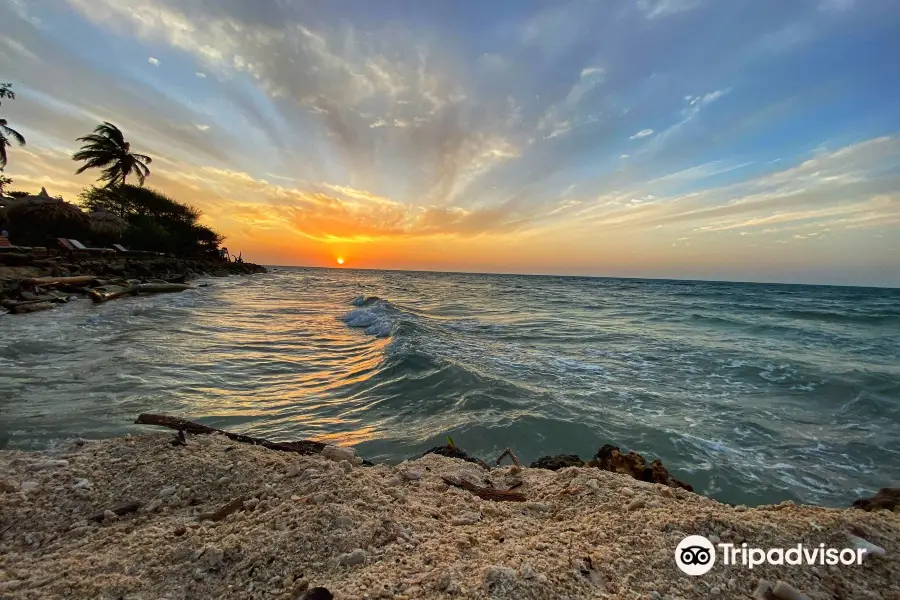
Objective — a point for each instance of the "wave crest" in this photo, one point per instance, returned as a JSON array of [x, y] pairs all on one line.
[[363, 300], [376, 316]]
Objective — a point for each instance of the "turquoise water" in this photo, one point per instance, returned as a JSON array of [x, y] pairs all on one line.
[[752, 393]]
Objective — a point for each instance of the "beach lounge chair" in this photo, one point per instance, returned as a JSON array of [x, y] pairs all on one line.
[[122, 249], [6, 246], [82, 248], [66, 245]]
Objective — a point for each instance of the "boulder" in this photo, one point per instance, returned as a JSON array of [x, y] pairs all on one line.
[[886, 498], [610, 458], [454, 452], [555, 463]]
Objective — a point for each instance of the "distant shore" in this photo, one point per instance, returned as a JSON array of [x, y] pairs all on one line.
[[18, 270], [143, 517]]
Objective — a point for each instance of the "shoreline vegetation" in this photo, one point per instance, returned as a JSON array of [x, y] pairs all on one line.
[[202, 513], [120, 240]]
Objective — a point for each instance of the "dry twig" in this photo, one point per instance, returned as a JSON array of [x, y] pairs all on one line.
[[185, 426], [233, 506], [510, 454], [484, 492]]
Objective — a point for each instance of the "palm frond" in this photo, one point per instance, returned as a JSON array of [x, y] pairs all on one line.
[[88, 154], [20, 139], [95, 163], [111, 132], [143, 158], [107, 149], [6, 91]]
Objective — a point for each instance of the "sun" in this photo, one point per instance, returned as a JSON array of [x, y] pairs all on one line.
[[340, 260]]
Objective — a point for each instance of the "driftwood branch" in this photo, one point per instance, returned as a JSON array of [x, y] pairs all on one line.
[[233, 506], [485, 492], [31, 307], [118, 510], [99, 295], [37, 281], [510, 454], [185, 426], [10, 304]]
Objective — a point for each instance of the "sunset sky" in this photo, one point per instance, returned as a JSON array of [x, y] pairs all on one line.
[[704, 139]]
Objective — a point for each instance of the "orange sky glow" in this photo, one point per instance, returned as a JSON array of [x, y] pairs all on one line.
[[540, 145]]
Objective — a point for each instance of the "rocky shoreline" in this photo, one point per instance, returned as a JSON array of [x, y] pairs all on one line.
[[204, 516], [25, 279]]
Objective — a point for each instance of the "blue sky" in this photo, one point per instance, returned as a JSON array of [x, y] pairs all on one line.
[[665, 138]]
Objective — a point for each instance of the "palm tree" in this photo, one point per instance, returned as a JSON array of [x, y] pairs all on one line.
[[106, 148], [7, 132]]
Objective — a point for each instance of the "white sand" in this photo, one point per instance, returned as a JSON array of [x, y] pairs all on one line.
[[384, 532]]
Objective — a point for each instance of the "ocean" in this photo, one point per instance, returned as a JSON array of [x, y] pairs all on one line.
[[753, 393]]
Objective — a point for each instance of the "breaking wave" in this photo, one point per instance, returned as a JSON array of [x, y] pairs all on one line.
[[752, 393], [375, 316]]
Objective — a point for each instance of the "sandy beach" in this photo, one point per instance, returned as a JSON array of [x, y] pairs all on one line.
[[301, 525]]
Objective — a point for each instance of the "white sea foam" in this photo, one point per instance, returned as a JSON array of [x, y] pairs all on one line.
[[809, 387], [374, 321], [376, 316]]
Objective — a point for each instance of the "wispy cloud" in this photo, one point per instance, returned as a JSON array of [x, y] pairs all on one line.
[[621, 104], [559, 128], [706, 98], [654, 9], [836, 5], [688, 113], [850, 185]]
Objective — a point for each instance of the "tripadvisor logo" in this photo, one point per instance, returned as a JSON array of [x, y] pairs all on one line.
[[696, 555]]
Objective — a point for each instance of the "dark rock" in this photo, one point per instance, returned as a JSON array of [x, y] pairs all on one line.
[[610, 458], [318, 593], [14, 259], [113, 270], [555, 463], [454, 452], [120, 509], [31, 307], [886, 498]]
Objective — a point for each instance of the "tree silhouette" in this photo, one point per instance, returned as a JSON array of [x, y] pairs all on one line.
[[156, 222], [107, 149], [7, 132]]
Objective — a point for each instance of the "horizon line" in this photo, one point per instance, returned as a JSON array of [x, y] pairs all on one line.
[[631, 278]]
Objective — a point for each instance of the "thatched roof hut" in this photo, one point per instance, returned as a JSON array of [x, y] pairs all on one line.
[[39, 220], [107, 225]]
